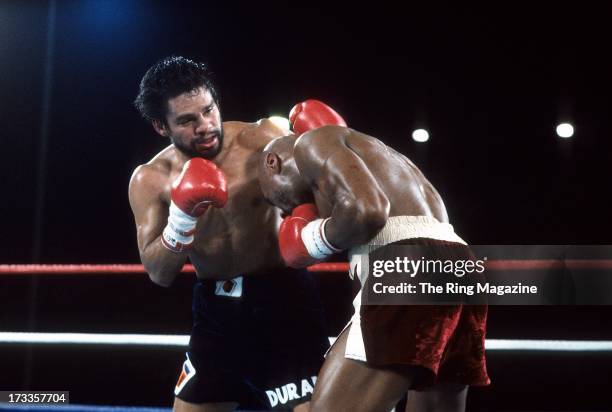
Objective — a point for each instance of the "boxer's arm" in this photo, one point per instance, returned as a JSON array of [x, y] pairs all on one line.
[[151, 215], [360, 208]]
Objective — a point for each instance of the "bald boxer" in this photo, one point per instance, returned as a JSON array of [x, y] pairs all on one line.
[[368, 195], [258, 335]]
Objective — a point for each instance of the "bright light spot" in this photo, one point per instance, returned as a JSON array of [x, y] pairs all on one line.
[[420, 135], [280, 121], [565, 130]]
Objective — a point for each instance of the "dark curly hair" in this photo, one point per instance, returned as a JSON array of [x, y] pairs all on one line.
[[169, 78]]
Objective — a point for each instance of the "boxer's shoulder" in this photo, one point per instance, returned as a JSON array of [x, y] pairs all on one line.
[[157, 171], [256, 135], [322, 137], [317, 144], [232, 128]]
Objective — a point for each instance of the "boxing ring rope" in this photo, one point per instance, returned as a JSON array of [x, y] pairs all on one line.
[[109, 269], [183, 340], [77, 269]]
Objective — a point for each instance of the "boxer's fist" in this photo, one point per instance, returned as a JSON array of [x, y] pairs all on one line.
[[312, 114], [290, 242], [301, 237], [200, 184]]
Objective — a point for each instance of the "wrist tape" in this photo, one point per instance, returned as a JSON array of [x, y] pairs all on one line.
[[178, 233], [313, 236]]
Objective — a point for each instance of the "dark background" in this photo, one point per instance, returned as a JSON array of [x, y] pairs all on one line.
[[490, 85]]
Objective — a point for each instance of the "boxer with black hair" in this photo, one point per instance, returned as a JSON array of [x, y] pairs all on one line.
[[259, 333]]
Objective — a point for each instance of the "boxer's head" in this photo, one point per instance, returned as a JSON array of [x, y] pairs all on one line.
[[178, 97], [279, 178]]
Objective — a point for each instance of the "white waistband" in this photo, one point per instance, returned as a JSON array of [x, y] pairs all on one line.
[[410, 227], [405, 227]]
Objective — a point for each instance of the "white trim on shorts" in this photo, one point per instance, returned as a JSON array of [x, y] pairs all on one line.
[[397, 228]]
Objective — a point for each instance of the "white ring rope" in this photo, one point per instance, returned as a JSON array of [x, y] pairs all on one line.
[[183, 340]]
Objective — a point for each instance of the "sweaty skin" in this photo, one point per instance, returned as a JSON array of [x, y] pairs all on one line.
[[238, 239], [355, 178], [245, 227], [359, 182]]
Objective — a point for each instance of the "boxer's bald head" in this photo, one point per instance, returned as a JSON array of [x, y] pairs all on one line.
[[279, 178]]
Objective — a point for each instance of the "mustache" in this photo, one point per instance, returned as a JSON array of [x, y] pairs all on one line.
[[208, 136]]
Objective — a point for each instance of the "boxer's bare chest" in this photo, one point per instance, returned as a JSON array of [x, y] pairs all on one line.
[[241, 237]]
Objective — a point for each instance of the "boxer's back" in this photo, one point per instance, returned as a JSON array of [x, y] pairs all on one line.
[[408, 190]]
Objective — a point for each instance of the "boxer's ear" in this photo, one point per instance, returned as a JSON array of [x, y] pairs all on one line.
[[273, 163], [160, 127]]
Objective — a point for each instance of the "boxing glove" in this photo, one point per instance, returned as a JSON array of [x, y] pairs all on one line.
[[200, 184], [301, 237], [312, 114]]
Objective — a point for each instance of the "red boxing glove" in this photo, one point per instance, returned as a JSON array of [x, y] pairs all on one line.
[[312, 114], [200, 184], [301, 237]]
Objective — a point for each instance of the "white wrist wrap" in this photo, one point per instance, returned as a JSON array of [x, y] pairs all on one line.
[[178, 233], [313, 236]]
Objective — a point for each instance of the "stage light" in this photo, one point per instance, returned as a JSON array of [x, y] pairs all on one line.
[[565, 130], [420, 135]]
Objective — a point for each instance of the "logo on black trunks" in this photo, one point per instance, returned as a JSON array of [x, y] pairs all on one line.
[[187, 372], [291, 392]]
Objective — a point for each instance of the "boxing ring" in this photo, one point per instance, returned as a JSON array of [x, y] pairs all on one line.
[[181, 341], [113, 341]]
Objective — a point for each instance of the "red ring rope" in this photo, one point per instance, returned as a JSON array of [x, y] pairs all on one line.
[[67, 269], [498, 265]]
